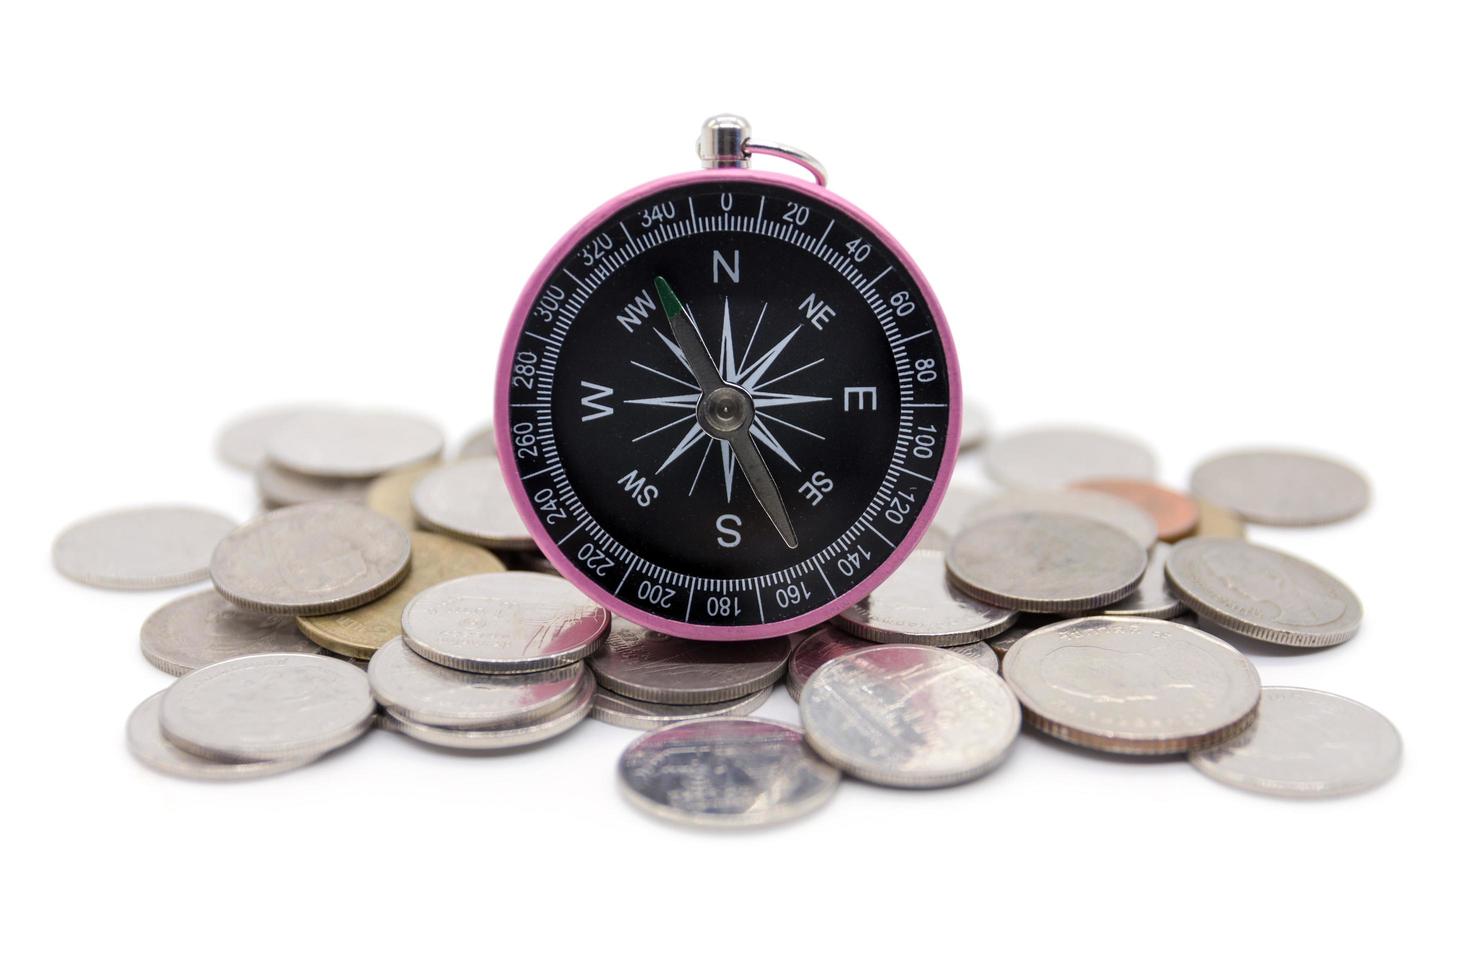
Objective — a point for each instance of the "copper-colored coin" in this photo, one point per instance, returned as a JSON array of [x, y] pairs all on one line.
[[1176, 514], [1217, 522], [358, 632], [389, 493]]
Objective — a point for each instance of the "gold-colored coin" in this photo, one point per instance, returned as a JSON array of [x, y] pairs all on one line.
[[1217, 522], [358, 632], [389, 493]]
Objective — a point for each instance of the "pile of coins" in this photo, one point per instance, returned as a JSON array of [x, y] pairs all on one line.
[[1067, 600]]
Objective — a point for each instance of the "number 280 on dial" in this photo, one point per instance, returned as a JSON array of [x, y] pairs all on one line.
[[727, 405]]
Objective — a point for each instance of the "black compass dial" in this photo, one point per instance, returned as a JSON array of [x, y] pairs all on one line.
[[729, 404]]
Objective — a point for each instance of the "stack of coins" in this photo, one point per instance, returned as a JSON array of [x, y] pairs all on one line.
[[1084, 599]]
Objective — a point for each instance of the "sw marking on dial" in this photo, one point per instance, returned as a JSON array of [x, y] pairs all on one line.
[[728, 404]]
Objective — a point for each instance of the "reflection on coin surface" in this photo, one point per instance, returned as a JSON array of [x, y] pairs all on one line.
[[827, 643], [468, 499], [141, 547], [480, 442], [311, 559], [493, 738], [974, 425], [1217, 522], [916, 604], [353, 444], [647, 666], [645, 716], [504, 623], [1262, 593], [725, 772], [1174, 514], [390, 494], [1045, 562], [424, 692], [269, 706], [1127, 517], [280, 487], [1053, 459], [358, 632], [1271, 486], [909, 716], [242, 441], [1307, 743], [1134, 686], [197, 630], [1153, 597], [146, 742]]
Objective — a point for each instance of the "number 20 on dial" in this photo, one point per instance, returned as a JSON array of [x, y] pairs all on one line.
[[727, 400]]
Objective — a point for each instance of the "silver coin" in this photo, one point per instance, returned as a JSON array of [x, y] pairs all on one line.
[[1262, 593], [242, 441], [141, 547], [426, 693], [1272, 486], [504, 623], [1133, 686], [954, 510], [335, 443], [647, 666], [1028, 623], [980, 653], [511, 736], [1045, 562], [480, 442], [974, 425], [1129, 518], [645, 716], [311, 559], [279, 487], [197, 630], [268, 706], [146, 742], [1152, 598], [827, 643], [910, 716], [725, 772], [469, 500], [916, 604], [1053, 459], [1307, 743]]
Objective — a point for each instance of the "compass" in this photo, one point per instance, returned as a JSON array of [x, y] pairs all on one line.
[[727, 403]]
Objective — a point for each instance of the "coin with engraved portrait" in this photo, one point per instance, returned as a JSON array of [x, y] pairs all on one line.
[[148, 746], [356, 444], [1132, 686], [1045, 562], [1127, 517], [916, 604], [1275, 486], [1153, 597], [1263, 593], [725, 772], [424, 692], [625, 712], [311, 559], [268, 706], [642, 664], [202, 628], [359, 631], [910, 716], [504, 623], [1055, 458], [468, 499], [1306, 743], [494, 738], [141, 547]]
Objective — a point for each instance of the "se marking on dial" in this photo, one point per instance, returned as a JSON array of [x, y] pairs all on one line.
[[765, 483]]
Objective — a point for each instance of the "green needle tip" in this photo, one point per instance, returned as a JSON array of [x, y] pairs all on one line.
[[672, 306]]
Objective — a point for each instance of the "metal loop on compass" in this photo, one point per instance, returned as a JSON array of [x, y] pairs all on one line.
[[725, 141], [791, 153]]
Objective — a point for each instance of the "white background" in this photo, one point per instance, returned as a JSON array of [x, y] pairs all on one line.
[[1208, 225]]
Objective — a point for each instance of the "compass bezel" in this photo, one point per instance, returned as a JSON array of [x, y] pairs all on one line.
[[559, 255]]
